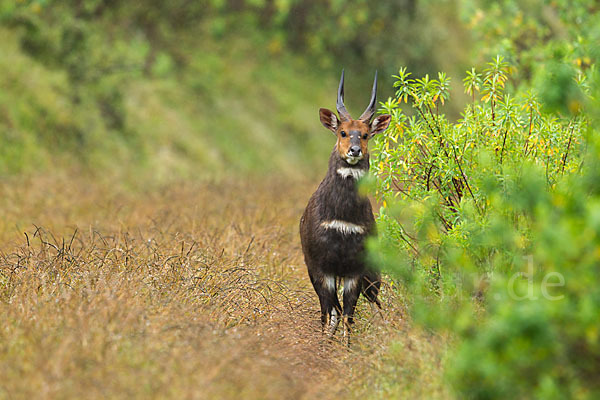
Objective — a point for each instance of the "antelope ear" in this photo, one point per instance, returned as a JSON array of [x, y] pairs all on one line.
[[329, 119], [380, 124]]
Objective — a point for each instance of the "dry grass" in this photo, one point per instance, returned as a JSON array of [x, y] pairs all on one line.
[[185, 291]]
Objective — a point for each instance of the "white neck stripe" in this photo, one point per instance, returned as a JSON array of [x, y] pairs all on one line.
[[343, 226], [355, 173]]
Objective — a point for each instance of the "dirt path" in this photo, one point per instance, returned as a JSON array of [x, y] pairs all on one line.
[[190, 291]]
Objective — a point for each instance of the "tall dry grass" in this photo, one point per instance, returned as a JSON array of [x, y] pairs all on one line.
[[182, 291]]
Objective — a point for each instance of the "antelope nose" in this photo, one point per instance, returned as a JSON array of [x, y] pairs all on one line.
[[355, 151]]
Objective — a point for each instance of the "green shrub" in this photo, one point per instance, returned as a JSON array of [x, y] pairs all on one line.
[[492, 225], [539, 335], [459, 168]]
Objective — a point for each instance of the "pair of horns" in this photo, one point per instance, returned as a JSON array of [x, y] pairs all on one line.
[[341, 108]]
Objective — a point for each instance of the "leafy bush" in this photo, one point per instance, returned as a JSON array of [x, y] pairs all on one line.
[[492, 225], [426, 159], [538, 336]]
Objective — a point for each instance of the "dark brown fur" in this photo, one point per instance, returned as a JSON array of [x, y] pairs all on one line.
[[329, 252], [331, 255]]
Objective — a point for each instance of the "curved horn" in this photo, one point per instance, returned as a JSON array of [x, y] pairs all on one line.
[[368, 114], [341, 108]]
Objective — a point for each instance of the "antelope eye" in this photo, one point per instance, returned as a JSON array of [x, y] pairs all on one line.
[[343, 133], [365, 136]]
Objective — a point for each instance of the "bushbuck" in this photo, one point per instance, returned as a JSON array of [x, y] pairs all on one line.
[[337, 219]]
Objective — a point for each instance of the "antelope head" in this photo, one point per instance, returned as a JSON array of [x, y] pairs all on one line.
[[353, 134]]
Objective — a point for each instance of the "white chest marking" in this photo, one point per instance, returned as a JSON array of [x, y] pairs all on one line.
[[343, 226], [353, 172]]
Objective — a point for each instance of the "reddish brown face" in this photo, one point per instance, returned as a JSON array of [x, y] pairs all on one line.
[[353, 135], [352, 140]]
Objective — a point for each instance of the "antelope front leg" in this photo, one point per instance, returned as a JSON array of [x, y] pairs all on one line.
[[331, 309], [332, 323]]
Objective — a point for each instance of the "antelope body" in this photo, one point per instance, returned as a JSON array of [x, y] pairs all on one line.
[[337, 219]]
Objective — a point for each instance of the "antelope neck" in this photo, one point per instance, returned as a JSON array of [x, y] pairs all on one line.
[[340, 168]]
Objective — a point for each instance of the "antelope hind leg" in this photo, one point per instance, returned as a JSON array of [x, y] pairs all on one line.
[[351, 293], [331, 309]]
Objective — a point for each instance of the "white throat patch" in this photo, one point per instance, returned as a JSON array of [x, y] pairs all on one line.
[[353, 160], [343, 227], [353, 172]]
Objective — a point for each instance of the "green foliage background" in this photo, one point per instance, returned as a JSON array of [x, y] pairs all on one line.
[[191, 88]]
